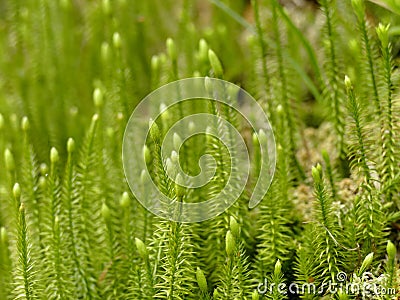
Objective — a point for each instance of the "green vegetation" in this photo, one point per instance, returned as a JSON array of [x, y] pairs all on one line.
[[72, 71]]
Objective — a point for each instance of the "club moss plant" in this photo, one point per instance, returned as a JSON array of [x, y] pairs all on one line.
[[326, 74]]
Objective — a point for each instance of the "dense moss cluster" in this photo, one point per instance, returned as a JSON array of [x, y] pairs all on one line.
[[72, 72]]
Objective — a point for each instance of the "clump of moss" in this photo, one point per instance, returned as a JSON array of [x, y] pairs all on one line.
[[73, 71]]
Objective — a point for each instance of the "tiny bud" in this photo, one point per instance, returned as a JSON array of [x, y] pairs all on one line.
[[1, 121], [255, 296], [3, 236], [174, 157], [17, 191], [171, 167], [215, 63], [366, 263], [201, 280], [97, 97], [358, 6], [347, 82], [105, 51], [141, 248], [105, 212], [278, 268], [106, 7], [43, 169], [234, 226], [279, 109], [391, 250], [155, 64], [254, 138], [177, 141], [203, 50], [22, 208], [116, 40], [125, 200], [163, 108], [316, 172], [70, 145], [146, 154], [383, 34], [179, 186], [95, 118], [325, 155], [171, 49], [229, 243], [164, 114], [9, 160], [25, 123], [42, 183], [154, 131], [342, 295], [54, 157]]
